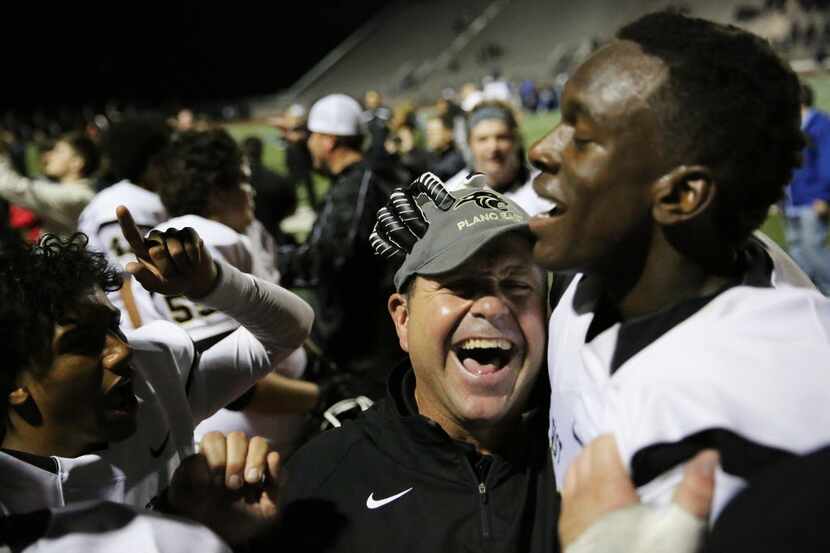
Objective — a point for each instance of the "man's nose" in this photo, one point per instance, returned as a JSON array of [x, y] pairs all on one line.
[[491, 305], [546, 154]]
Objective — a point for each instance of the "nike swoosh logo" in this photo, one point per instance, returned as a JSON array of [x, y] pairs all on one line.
[[373, 503], [156, 452]]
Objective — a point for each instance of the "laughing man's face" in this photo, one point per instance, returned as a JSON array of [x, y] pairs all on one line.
[[476, 335]]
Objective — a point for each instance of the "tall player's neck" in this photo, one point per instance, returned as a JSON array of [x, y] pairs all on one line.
[[667, 277]]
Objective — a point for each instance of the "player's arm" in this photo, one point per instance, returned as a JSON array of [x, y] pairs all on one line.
[[177, 262], [275, 321], [58, 202]]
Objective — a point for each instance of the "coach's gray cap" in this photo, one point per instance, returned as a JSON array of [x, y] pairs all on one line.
[[476, 217]]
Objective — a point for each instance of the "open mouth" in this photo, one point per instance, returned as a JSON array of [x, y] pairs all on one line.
[[558, 209], [481, 356]]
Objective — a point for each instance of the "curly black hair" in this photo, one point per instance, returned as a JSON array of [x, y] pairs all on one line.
[[730, 104], [193, 165], [38, 283]]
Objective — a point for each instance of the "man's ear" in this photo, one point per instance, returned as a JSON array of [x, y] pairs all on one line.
[[682, 194], [399, 311]]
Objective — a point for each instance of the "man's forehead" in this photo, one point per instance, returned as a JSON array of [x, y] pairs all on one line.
[[511, 253], [489, 127], [618, 79], [92, 307]]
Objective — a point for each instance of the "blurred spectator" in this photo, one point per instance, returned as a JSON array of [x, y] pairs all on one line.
[[376, 119], [71, 162], [548, 98], [184, 120], [447, 106], [470, 96], [497, 88], [402, 144], [276, 196], [349, 282], [529, 95], [292, 124], [808, 197], [496, 146], [129, 146], [447, 159]]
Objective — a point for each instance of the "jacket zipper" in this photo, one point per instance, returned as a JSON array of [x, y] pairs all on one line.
[[485, 519]]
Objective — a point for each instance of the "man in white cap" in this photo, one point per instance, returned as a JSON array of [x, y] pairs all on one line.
[[350, 284]]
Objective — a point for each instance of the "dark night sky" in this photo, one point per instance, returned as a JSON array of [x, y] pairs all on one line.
[[84, 56]]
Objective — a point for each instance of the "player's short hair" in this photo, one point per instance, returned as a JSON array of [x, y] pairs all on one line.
[[86, 149], [39, 284], [131, 144], [196, 163], [730, 104]]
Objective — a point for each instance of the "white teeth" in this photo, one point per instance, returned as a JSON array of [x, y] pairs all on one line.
[[476, 343]]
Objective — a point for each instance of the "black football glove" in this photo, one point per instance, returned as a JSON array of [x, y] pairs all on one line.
[[401, 223]]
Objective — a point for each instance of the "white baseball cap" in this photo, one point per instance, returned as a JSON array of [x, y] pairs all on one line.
[[336, 114]]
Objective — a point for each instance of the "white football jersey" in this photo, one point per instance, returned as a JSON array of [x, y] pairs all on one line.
[[99, 223], [207, 326], [746, 373]]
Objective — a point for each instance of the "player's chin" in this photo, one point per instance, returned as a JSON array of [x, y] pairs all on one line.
[[487, 410], [548, 252]]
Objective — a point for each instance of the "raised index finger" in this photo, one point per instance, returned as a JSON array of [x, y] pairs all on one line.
[[131, 233]]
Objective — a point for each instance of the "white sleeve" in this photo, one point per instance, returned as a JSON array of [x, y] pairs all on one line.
[[278, 318], [275, 322]]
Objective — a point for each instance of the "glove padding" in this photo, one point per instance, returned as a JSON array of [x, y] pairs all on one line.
[[401, 222]]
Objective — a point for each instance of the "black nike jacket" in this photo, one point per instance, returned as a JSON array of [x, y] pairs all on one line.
[[393, 480]]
